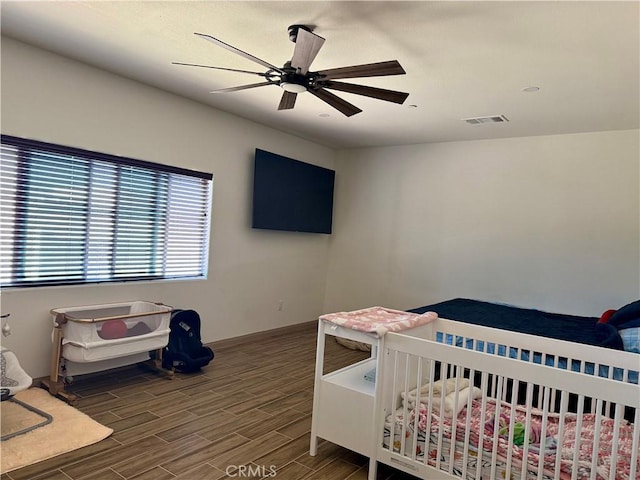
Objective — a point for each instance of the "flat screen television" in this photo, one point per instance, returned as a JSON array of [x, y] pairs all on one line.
[[291, 195]]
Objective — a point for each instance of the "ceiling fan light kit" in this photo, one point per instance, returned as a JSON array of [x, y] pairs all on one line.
[[293, 87], [294, 77]]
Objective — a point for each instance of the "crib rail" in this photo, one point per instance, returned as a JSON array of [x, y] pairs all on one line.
[[604, 362], [451, 412], [592, 360]]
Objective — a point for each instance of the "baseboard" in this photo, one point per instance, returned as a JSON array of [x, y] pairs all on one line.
[[305, 327]]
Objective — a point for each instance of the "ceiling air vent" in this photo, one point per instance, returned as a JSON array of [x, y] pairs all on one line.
[[492, 119]]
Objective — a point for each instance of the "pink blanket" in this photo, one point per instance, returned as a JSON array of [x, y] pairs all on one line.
[[551, 446], [379, 320]]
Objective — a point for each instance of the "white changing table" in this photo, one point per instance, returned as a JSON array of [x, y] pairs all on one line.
[[344, 401]]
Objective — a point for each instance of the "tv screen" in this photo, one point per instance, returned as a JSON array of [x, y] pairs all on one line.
[[291, 195]]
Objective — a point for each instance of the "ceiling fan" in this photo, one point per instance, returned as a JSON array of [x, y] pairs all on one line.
[[294, 77]]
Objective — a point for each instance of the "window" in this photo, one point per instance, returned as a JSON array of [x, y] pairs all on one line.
[[70, 216]]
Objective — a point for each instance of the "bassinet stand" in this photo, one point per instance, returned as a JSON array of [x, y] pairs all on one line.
[[55, 383]]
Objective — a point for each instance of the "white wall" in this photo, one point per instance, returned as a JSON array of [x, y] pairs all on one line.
[[543, 222], [53, 99]]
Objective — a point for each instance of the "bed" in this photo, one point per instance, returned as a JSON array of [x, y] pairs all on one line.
[[615, 329], [572, 328], [459, 399]]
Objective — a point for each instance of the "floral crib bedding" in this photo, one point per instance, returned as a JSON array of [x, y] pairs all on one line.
[[479, 467], [482, 428]]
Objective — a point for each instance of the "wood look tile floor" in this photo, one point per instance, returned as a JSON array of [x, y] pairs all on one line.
[[250, 406]]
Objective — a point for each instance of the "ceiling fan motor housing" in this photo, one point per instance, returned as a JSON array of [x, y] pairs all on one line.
[[293, 31], [294, 82]]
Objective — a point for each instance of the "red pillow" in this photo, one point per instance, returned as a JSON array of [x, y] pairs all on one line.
[[113, 329], [606, 316]]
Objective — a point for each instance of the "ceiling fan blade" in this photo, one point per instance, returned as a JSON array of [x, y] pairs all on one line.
[[307, 47], [288, 101], [233, 49], [242, 87], [373, 92], [391, 67], [336, 102], [220, 68]]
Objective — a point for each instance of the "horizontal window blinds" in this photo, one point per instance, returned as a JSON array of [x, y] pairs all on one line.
[[73, 216]]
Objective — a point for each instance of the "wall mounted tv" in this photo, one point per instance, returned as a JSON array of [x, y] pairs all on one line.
[[291, 195]]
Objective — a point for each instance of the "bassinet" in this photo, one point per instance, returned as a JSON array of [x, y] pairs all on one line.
[[85, 340], [147, 329]]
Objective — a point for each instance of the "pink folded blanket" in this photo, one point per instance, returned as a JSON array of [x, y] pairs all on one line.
[[379, 320]]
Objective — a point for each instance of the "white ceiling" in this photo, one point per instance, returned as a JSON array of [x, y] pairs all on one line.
[[463, 59]]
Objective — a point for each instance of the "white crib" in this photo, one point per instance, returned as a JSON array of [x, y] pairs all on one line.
[[529, 399], [540, 408]]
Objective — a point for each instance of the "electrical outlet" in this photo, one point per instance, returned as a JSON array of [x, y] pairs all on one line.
[[280, 305]]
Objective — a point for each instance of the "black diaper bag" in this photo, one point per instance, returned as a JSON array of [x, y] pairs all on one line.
[[185, 352]]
